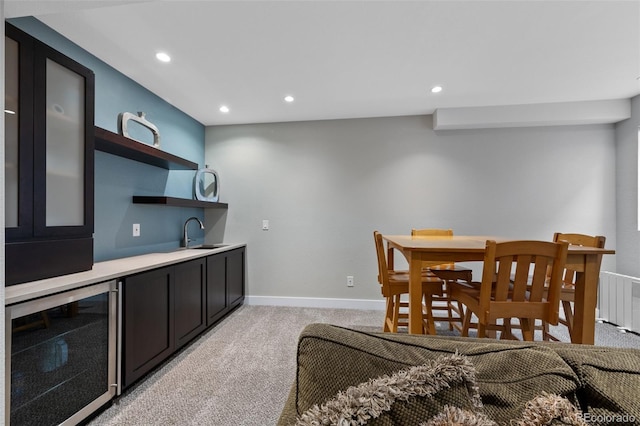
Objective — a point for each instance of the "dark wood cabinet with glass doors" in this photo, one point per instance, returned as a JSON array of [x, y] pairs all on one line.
[[49, 161]]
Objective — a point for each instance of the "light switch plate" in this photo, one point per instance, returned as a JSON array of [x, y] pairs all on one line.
[[265, 225], [136, 229]]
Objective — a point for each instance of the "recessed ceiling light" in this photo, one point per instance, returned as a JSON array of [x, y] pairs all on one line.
[[288, 98], [163, 57], [436, 89], [224, 109]]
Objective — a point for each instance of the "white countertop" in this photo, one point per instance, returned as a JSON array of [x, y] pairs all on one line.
[[105, 271]]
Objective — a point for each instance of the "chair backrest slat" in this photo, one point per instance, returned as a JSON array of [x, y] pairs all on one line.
[[521, 279], [503, 281], [539, 277], [383, 272]]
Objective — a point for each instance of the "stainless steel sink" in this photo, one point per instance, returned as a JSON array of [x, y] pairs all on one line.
[[208, 246]]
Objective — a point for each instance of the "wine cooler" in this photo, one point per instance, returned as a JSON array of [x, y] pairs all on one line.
[[63, 356]]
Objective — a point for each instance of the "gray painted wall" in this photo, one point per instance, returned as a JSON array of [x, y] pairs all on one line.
[[628, 251], [326, 185]]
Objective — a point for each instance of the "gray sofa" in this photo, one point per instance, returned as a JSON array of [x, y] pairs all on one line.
[[602, 383]]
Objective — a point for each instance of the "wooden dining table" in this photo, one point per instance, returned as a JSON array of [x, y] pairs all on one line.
[[416, 249]]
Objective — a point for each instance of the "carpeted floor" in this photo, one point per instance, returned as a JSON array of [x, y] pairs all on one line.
[[240, 371]]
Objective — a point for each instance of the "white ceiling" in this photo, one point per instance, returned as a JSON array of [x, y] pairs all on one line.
[[346, 59]]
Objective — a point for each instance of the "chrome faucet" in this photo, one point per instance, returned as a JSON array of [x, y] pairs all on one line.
[[185, 237]]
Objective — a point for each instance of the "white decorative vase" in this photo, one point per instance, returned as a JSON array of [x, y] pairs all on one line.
[[206, 185]]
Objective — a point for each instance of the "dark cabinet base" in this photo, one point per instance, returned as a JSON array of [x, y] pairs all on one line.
[[166, 308], [36, 260]]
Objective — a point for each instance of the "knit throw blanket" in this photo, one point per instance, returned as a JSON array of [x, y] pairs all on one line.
[[368, 403]]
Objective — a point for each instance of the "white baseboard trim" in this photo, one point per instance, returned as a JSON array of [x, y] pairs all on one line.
[[316, 302]]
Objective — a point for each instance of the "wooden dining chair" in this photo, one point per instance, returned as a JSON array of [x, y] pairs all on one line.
[[568, 290], [514, 285], [447, 271], [394, 284]]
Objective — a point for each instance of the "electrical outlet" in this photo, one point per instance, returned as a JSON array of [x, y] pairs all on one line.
[[265, 225], [349, 280], [136, 229]]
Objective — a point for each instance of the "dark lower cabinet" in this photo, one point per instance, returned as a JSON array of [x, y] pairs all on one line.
[[189, 305], [235, 277], [148, 329], [216, 288], [163, 309], [225, 283]]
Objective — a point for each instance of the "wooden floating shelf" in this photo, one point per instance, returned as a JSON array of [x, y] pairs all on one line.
[[177, 202], [121, 146]]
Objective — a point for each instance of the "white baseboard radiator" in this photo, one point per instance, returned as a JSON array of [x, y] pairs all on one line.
[[619, 300]]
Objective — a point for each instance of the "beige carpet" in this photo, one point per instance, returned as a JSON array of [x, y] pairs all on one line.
[[240, 371]]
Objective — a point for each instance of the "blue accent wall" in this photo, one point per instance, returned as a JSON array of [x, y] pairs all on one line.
[[118, 179]]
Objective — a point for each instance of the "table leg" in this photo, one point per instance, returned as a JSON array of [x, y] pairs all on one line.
[[415, 296], [586, 297]]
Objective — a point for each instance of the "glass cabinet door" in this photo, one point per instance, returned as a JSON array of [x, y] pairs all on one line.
[[64, 146], [11, 167], [49, 113]]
